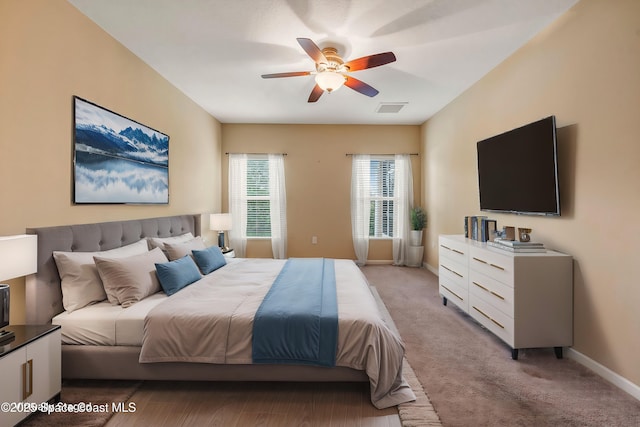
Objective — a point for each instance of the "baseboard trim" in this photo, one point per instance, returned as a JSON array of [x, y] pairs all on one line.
[[379, 261], [431, 269], [606, 373]]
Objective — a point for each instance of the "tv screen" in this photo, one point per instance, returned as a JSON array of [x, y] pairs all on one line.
[[518, 170]]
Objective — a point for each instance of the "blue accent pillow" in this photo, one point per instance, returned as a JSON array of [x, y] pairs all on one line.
[[177, 274], [209, 259]]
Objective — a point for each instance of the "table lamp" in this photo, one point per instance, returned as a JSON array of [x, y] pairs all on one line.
[[18, 257], [220, 222]]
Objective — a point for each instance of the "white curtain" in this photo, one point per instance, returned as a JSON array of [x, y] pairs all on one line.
[[360, 206], [403, 194], [278, 206], [237, 203]]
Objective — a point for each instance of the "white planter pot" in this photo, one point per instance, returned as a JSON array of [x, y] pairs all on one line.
[[415, 238], [414, 256]]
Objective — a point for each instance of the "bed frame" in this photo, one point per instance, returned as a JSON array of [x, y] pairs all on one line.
[[44, 301]]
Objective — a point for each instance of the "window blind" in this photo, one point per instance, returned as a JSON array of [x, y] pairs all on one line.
[[258, 198], [382, 194]]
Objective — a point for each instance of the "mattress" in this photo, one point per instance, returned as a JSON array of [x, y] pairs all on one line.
[[107, 324]]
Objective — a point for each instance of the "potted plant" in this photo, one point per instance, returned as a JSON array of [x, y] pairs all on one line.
[[418, 222]]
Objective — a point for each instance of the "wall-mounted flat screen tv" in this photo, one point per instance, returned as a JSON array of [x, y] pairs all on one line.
[[518, 170]]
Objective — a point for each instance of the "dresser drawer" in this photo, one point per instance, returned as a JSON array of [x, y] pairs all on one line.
[[491, 318], [455, 250], [489, 263], [458, 270], [491, 291], [454, 289]]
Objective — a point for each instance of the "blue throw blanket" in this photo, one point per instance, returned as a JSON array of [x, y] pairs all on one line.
[[297, 322]]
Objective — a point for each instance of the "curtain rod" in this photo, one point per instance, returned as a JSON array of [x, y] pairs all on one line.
[[381, 154], [284, 154]]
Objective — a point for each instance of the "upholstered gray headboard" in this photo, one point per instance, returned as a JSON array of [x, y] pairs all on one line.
[[43, 291]]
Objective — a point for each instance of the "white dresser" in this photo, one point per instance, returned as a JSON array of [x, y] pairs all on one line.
[[526, 299]]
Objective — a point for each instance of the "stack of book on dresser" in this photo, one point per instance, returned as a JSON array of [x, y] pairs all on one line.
[[515, 246]]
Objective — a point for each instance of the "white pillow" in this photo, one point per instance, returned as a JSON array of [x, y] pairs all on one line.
[[159, 242], [176, 251], [81, 284], [129, 280]]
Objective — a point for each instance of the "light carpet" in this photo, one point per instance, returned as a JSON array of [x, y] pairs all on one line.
[[412, 414], [468, 372]]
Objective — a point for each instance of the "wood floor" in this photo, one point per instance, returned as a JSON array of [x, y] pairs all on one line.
[[172, 404]]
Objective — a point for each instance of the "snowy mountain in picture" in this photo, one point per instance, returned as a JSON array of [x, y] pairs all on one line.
[[118, 160]]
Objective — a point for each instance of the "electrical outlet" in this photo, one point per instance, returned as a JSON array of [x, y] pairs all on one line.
[[314, 240]]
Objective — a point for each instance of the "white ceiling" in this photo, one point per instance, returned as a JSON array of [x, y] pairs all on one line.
[[216, 50]]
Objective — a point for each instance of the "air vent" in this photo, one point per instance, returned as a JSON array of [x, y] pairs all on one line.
[[390, 107]]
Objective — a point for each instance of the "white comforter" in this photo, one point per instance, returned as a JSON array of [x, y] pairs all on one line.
[[211, 321]]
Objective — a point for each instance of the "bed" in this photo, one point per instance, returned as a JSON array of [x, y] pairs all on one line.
[[107, 341]]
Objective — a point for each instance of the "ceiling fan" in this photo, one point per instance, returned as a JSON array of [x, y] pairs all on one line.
[[332, 72]]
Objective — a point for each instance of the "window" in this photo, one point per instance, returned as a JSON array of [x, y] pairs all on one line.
[[381, 198], [382, 186], [258, 200]]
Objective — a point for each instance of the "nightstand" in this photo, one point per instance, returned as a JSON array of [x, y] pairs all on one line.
[[229, 253], [31, 369]]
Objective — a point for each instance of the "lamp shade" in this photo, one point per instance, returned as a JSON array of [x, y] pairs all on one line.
[[330, 80], [18, 256], [220, 222]]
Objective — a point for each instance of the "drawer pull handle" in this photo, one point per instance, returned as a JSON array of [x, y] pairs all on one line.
[[452, 271], [488, 263], [497, 323], [487, 290], [487, 316], [27, 379], [446, 247], [457, 251], [25, 374], [456, 295], [481, 287], [497, 295], [481, 312]]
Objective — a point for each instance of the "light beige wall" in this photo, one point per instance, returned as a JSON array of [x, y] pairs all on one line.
[[318, 179], [50, 52], [584, 69]]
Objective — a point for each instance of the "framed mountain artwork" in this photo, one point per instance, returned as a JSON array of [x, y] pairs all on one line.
[[117, 160]]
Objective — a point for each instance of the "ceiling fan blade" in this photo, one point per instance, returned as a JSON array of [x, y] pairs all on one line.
[[360, 86], [312, 50], [316, 93], [371, 61], [291, 74]]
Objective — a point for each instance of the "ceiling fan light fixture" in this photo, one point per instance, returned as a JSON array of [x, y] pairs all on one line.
[[332, 72], [330, 80]]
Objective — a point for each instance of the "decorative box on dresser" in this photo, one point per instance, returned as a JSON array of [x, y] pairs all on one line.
[[31, 370], [526, 299]]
